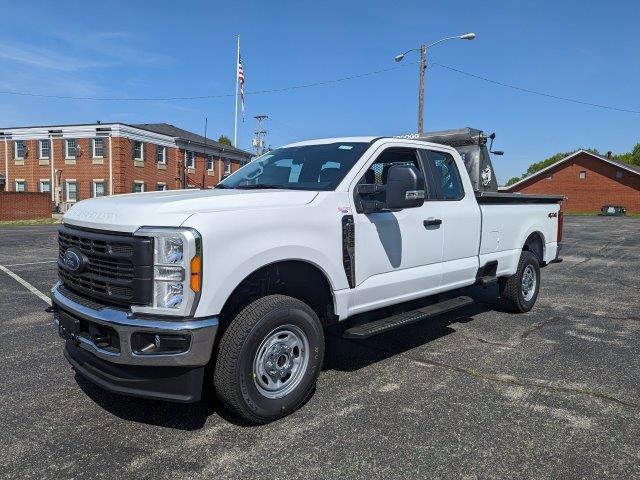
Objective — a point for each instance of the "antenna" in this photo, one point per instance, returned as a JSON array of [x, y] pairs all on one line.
[[260, 134], [204, 167]]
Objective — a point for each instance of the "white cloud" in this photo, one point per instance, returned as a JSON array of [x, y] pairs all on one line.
[[45, 58]]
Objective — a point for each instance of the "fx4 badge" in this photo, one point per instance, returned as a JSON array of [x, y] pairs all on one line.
[[553, 214]]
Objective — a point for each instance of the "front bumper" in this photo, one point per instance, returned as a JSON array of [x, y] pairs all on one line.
[[169, 376]]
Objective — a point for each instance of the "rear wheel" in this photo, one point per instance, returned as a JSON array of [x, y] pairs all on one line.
[[519, 292], [269, 358]]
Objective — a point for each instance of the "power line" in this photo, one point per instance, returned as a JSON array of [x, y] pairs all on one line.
[[202, 97], [534, 92], [319, 84]]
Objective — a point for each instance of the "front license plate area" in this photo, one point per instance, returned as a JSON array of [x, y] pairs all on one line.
[[68, 327]]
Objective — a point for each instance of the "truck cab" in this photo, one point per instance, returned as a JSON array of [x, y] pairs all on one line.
[[243, 279]]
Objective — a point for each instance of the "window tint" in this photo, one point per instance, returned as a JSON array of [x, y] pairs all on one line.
[[446, 175], [305, 167], [379, 170]]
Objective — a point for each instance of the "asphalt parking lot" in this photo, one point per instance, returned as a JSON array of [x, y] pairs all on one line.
[[477, 393]]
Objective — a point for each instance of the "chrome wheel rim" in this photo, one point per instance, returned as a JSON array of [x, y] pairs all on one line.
[[528, 283], [281, 361]]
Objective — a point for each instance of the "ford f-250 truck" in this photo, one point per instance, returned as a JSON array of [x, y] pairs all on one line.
[[154, 287]]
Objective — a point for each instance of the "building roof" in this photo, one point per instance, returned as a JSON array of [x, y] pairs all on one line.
[[179, 133], [625, 166]]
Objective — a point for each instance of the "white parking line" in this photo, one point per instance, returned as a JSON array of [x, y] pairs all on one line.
[[26, 284], [30, 263]]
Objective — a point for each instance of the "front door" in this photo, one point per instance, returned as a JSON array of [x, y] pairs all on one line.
[[397, 254]]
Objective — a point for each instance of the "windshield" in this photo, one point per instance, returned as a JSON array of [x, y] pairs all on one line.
[[309, 167]]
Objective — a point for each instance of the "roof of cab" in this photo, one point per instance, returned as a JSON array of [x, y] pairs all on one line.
[[320, 141]]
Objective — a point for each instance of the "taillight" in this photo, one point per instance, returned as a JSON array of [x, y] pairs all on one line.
[[560, 226]]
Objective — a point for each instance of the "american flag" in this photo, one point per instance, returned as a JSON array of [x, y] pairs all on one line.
[[241, 82]]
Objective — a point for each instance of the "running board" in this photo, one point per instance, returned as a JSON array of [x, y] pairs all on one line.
[[370, 329]]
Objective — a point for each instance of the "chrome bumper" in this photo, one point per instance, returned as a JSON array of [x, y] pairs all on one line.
[[202, 332]]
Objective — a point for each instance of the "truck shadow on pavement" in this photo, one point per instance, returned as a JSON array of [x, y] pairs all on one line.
[[340, 354], [349, 355]]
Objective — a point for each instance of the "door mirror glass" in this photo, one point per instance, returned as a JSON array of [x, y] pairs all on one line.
[[405, 187]]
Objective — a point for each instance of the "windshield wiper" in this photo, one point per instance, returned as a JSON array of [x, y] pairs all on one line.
[[258, 186]]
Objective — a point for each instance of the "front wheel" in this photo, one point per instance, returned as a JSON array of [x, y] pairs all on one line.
[[519, 292], [269, 358]]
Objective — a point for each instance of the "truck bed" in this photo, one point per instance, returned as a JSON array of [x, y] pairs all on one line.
[[517, 198]]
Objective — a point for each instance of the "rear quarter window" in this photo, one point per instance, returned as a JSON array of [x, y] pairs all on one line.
[[447, 176]]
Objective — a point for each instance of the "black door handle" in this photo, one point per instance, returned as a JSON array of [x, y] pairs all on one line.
[[432, 222]]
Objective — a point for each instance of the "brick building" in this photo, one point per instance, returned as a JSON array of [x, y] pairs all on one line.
[[588, 181], [74, 162]]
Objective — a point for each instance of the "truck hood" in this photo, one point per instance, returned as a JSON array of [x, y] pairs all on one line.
[[128, 212]]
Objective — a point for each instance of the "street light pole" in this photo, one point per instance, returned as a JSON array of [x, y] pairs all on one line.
[[423, 65]]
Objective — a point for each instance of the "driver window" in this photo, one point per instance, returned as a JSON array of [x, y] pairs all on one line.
[[378, 171]]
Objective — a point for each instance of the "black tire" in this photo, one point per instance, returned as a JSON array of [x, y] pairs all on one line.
[[511, 289], [234, 368]]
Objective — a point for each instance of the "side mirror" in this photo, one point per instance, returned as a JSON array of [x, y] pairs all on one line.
[[405, 187]]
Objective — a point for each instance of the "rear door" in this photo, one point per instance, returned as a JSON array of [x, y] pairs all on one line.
[[458, 210], [397, 256]]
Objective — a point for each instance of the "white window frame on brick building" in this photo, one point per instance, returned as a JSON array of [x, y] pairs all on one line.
[[583, 174], [67, 149], [44, 149], [211, 164], [98, 152], [42, 183], [67, 196], [94, 188], [136, 183], [138, 153], [191, 159], [227, 165], [161, 155], [20, 185], [161, 186], [19, 153]]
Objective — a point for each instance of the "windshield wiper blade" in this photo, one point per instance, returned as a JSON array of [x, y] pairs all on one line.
[[258, 186]]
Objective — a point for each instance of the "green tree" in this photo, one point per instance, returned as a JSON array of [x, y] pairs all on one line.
[[511, 181], [224, 140], [632, 157]]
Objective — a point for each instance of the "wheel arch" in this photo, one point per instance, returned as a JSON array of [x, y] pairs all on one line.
[[296, 278], [535, 243]]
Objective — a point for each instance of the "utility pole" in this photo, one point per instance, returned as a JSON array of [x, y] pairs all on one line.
[[423, 66], [259, 134]]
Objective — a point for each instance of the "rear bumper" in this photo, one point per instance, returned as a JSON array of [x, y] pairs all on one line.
[[120, 367]]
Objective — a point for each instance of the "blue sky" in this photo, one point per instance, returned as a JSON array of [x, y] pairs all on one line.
[[583, 50]]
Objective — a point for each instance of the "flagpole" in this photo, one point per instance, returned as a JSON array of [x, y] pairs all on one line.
[[235, 120]]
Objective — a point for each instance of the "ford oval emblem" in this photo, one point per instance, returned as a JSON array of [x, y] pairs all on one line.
[[74, 261]]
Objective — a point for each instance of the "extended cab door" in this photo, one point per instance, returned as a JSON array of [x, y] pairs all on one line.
[[455, 205], [397, 254]]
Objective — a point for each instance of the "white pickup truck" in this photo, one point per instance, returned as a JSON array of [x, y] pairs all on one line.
[[242, 279]]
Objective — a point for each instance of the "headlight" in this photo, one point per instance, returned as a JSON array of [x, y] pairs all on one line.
[[177, 271]]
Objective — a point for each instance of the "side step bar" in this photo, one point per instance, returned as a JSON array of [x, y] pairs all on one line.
[[370, 329]]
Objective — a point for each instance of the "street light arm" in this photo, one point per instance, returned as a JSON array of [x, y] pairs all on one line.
[[443, 40], [466, 36]]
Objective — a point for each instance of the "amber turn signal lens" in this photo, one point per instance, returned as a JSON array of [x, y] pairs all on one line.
[[196, 274]]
